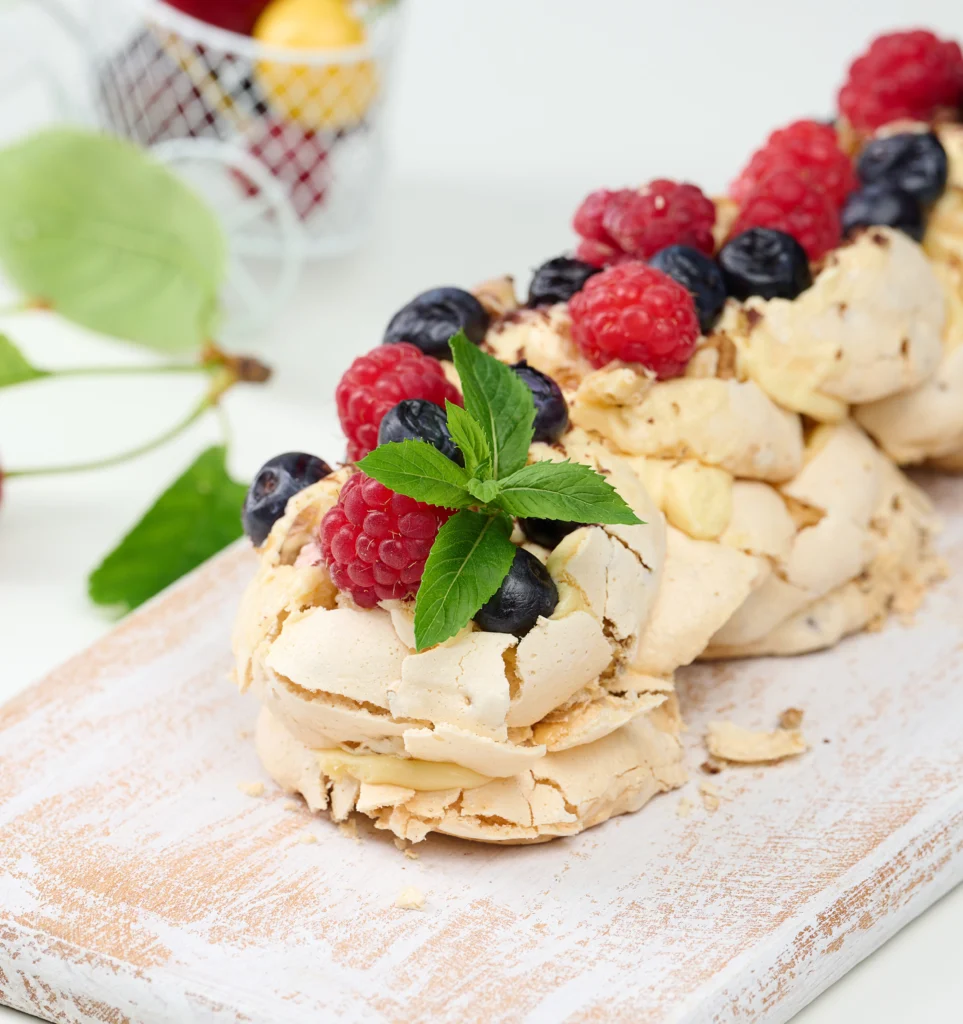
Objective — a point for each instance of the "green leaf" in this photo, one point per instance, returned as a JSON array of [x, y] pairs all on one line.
[[470, 438], [419, 470], [196, 516], [564, 490], [499, 401], [93, 227], [484, 490], [468, 561], [14, 368]]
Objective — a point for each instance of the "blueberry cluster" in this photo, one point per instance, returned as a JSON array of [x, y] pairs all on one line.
[[902, 176]]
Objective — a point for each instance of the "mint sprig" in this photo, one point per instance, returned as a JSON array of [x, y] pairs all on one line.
[[473, 552]]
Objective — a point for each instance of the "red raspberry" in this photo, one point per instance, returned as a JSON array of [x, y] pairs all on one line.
[[380, 380], [637, 314], [639, 223], [375, 543], [812, 150], [903, 75], [786, 202]]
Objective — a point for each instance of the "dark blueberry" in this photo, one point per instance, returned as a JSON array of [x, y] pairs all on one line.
[[414, 419], [547, 532], [551, 409], [276, 481], [913, 161], [558, 280], [430, 319], [527, 592], [762, 261], [699, 274], [883, 205]]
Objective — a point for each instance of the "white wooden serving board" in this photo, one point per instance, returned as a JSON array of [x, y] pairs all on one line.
[[138, 883]]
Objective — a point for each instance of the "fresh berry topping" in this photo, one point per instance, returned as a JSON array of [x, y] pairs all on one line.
[[811, 148], [637, 314], [414, 419], [551, 409], [764, 262], [276, 481], [380, 380], [883, 205], [430, 319], [786, 202], [526, 593], [699, 275], [599, 254], [375, 543], [903, 75], [547, 532], [638, 223], [558, 280], [912, 161]]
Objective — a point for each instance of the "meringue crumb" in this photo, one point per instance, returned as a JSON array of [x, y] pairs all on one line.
[[791, 718], [710, 796], [712, 765], [730, 742], [291, 805], [244, 734], [405, 847], [349, 829], [684, 807], [410, 898], [307, 837], [251, 788]]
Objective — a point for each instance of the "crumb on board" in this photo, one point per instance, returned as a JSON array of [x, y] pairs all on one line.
[[291, 805], [307, 837], [710, 796], [791, 718], [410, 898], [349, 829], [684, 807], [251, 788], [730, 742], [405, 847], [244, 734], [712, 765]]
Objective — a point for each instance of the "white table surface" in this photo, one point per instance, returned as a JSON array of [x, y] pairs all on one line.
[[505, 114]]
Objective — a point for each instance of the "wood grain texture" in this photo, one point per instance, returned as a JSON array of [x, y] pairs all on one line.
[[138, 883]]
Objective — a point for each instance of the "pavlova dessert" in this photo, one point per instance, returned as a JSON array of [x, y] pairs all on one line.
[[683, 443]]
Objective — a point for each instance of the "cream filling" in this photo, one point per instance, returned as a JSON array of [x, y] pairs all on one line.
[[407, 773]]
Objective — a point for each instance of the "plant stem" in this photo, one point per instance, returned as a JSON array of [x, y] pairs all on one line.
[[132, 453], [118, 371]]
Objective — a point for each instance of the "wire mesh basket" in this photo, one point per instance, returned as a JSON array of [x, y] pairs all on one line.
[[286, 144]]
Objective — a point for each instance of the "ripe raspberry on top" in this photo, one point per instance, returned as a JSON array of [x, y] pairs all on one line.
[[375, 543], [785, 201], [812, 150], [903, 75], [378, 381], [636, 224], [636, 314]]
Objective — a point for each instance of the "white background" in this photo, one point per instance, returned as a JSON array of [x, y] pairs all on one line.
[[504, 114]]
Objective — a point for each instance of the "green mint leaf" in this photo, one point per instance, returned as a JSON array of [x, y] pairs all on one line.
[[564, 490], [196, 516], [109, 238], [499, 401], [468, 561], [419, 470], [14, 367], [484, 490], [471, 441]]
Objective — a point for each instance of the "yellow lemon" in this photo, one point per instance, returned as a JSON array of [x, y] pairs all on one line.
[[319, 95]]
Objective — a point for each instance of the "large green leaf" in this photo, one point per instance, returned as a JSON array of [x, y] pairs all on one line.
[[419, 470], [563, 490], [94, 228], [196, 516]]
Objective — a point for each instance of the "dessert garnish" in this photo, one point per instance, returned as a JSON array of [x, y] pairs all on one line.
[[432, 317], [278, 480], [764, 262], [700, 275], [452, 548], [558, 279]]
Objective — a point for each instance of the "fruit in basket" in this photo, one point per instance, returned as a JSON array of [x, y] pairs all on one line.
[[297, 158], [326, 93], [234, 15]]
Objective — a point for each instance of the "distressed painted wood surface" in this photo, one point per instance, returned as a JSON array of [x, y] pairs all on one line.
[[138, 883]]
